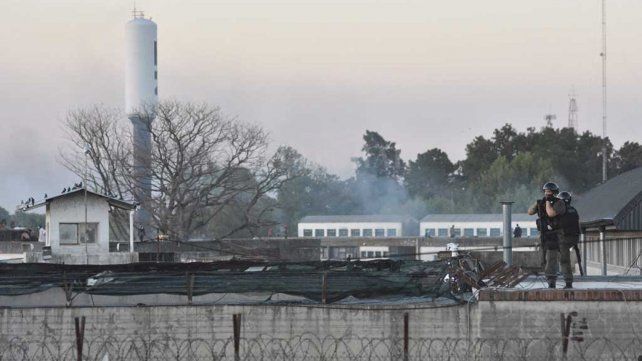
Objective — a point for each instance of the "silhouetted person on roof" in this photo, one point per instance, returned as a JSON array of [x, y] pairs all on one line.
[[517, 232]]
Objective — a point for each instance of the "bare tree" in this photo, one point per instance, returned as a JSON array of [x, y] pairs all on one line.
[[202, 164], [98, 137]]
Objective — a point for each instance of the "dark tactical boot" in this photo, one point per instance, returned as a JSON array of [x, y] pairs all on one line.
[[568, 285]]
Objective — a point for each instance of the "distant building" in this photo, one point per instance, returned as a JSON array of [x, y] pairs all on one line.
[[475, 225], [357, 226], [77, 234], [613, 210]]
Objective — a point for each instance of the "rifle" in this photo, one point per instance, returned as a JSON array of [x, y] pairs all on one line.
[[542, 226], [579, 259]]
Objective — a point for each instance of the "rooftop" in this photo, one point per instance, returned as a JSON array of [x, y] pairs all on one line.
[[585, 288], [476, 217], [119, 203], [355, 218], [608, 203]]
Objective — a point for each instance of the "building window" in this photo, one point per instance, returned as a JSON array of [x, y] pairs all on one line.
[[495, 232], [77, 233], [370, 254], [378, 254], [343, 232], [155, 74], [355, 232], [332, 232], [443, 232], [156, 91], [457, 232], [429, 232], [380, 232], [469, 232], [482, 232], [307, 233], [391, 232], [367, 232], [319, 232], [385, 253], [155, 53], [363, 254], [534, 232]]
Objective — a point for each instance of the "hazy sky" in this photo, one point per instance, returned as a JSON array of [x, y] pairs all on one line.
[[317, 74]]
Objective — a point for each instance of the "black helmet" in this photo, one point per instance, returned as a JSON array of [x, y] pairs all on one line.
[[565, 196], [551, 187]]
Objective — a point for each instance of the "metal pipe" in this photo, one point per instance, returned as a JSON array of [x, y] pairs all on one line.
[[584, 251], [508, 234], [603, 244], [131, 231]]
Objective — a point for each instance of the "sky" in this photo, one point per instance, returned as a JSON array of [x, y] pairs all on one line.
[[317, 73]]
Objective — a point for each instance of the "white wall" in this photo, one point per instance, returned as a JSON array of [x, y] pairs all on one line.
[[373, 249], [71, 209], [488, 225], [351, 225]]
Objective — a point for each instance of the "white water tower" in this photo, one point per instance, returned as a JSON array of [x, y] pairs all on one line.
[[141, 98]]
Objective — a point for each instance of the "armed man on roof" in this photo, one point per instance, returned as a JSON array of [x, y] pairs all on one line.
[[549, 210], [569, 235]]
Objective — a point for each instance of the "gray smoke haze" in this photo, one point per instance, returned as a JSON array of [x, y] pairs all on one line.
[[317, 74]]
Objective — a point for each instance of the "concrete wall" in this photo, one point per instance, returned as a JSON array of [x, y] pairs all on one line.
[[483, 331]]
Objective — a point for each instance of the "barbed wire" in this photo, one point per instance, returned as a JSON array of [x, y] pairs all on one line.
[[313, 347]]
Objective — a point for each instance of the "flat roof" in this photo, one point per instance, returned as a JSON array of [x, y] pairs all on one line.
[[370, 218], [477, 217], [585, 288]]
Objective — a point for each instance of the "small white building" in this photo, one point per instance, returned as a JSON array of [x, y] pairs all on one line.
[[475, 225], [357, 226], [78, 228]]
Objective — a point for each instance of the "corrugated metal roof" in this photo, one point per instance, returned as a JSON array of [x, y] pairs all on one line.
[[113, 201], [476, 217], [355, 218], [611, 202]]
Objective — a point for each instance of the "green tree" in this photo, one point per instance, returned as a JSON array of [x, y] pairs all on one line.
[[28, 220], [518, 180], [429, 175], [628, 157], [316, 193], [382, 158], [480, 154], [4, 218]]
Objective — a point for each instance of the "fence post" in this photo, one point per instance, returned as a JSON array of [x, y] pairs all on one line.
[[236, 323], [405, 336], [80, 336], [190, 287], [67, 287], [604, 252], [324, 288]]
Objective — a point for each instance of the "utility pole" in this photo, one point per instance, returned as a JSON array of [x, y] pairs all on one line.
[[603, 54]]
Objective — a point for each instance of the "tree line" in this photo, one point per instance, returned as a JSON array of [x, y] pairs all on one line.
[[216, 177], [509, 165]]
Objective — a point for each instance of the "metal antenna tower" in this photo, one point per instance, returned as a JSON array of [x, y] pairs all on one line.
[[549, 119], [572, 111], [603, 55]]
